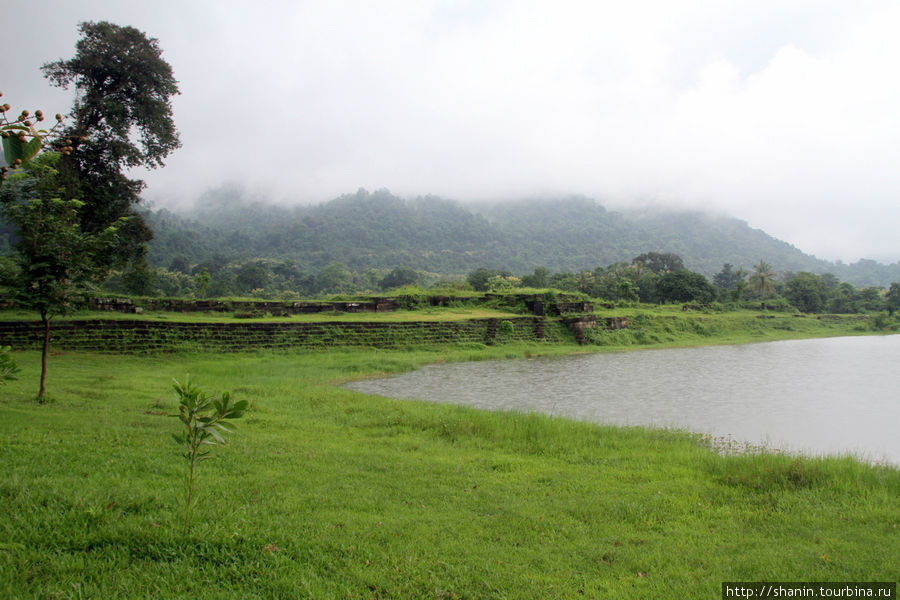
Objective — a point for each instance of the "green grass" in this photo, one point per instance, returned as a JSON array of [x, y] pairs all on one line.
[[328, 493], [669, 326]]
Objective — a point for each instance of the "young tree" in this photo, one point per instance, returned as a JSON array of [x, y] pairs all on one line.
[[121, 118], [58, 262]]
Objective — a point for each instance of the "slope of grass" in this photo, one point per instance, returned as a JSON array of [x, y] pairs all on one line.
[[328, 493]]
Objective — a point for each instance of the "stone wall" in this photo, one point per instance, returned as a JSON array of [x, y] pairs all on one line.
[[136, 336]]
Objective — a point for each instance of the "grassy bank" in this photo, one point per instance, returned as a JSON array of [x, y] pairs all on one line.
[[328, 493]]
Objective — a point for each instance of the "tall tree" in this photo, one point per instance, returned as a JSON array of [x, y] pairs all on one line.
[[762, 279], [121, 118]]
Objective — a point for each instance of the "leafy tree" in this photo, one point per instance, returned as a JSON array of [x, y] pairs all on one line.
[[762, 280], [684, 286], [731, 282], [121, 119], [893, 298], [539, 279], [201, 282], [659, 263], [611, 285], [646, 286], [180, 263], [479, 278], [503, 283], [399, 277], [334, 279], [140, 280], [58, 261], [564, 281], [843, 299], [869, 299], [252, 276], [172, 284], [807, 292]]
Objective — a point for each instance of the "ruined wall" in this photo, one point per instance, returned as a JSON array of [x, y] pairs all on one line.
[[136, 336]]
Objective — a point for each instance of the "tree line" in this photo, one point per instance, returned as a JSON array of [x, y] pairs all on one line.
[[650, 277]]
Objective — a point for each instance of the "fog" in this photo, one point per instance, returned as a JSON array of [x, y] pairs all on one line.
[[781, 113]]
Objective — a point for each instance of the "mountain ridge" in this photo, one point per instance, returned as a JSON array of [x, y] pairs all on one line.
[[377, 230]]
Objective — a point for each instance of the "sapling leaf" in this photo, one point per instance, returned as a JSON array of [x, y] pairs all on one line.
[[202, 419]]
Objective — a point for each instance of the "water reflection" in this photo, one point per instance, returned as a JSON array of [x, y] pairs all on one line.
[[834, 395]]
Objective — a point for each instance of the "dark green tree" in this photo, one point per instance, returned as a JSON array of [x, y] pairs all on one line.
[[659, 262], [121, 119], [252, 276], [807, 292], [334, 279], [843, 298], [399, 277], [731, 283], [540, 278], [684, 286], [892, 299], [479, 278], [869, 299], [58, 262]]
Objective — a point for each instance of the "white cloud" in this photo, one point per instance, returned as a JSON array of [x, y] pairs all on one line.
[[782, 113]]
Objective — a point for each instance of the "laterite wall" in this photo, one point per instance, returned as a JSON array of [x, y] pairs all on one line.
[[135, 336]]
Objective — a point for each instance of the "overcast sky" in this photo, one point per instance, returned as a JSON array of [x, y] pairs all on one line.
[[784, 113]]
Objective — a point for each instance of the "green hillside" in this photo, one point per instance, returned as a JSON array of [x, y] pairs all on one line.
[[377, 230]]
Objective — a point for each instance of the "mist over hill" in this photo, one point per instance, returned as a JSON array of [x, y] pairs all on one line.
[[377, 230]]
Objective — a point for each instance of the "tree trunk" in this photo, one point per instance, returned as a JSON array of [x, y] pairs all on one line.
[[44, 350]]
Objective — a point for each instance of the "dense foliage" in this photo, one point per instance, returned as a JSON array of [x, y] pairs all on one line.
[[55, 262], [121, 118]]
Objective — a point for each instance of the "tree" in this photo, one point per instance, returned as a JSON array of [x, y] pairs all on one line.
[[58, 262], [893, 298], [121, 118], [478, 278], [659, 263], [399, 277], [762, 280], [684, 286], [731, 282], [539, 279], [807, 292], [252, 276], [334, 279], [201, 282]]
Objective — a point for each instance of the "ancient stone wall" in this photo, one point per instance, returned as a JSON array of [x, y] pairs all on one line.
[[137, 336]]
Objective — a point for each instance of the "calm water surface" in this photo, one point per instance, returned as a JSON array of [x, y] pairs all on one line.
[[821, 396]]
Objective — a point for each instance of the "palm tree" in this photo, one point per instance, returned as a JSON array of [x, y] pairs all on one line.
[[762, 280]]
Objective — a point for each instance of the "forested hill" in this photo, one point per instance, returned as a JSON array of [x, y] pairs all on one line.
[[380, 231]]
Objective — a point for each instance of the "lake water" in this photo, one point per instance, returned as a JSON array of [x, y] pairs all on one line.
[[819, 396]]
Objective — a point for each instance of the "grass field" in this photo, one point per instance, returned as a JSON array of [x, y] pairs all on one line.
[[327, 493]]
